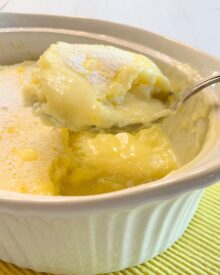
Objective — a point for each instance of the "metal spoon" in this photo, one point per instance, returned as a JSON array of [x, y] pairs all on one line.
[[186, 94], [194, 89]]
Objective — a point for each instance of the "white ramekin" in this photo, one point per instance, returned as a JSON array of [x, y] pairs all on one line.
[[108, 232]]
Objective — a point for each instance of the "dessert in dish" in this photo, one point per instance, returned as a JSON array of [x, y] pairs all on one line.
[[79, 88]]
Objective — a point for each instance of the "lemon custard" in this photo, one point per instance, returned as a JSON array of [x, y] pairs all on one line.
[[74, 89], [97, 163]]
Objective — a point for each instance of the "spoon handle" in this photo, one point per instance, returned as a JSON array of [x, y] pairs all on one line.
[[195, 88]]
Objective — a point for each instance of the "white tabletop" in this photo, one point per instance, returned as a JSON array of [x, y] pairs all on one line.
[[195, 22]]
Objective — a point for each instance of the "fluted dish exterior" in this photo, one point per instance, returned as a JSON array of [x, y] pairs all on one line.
[[95, 242]]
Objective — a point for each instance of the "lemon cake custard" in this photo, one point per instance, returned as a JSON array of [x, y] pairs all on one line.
[[50, 108]]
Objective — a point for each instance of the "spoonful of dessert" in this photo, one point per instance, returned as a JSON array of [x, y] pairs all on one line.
[[102, 88]]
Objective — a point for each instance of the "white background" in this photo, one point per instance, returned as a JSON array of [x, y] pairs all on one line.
[[195, 22]]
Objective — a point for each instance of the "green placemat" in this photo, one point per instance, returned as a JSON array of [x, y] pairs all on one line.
[[196, 252]]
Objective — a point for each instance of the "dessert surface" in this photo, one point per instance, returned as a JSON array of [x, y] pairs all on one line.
[[27, 145]]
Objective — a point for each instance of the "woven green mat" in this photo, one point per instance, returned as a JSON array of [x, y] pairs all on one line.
[[196, 252]]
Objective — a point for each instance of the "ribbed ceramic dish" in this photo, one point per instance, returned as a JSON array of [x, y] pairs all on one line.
[[109, 232]]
